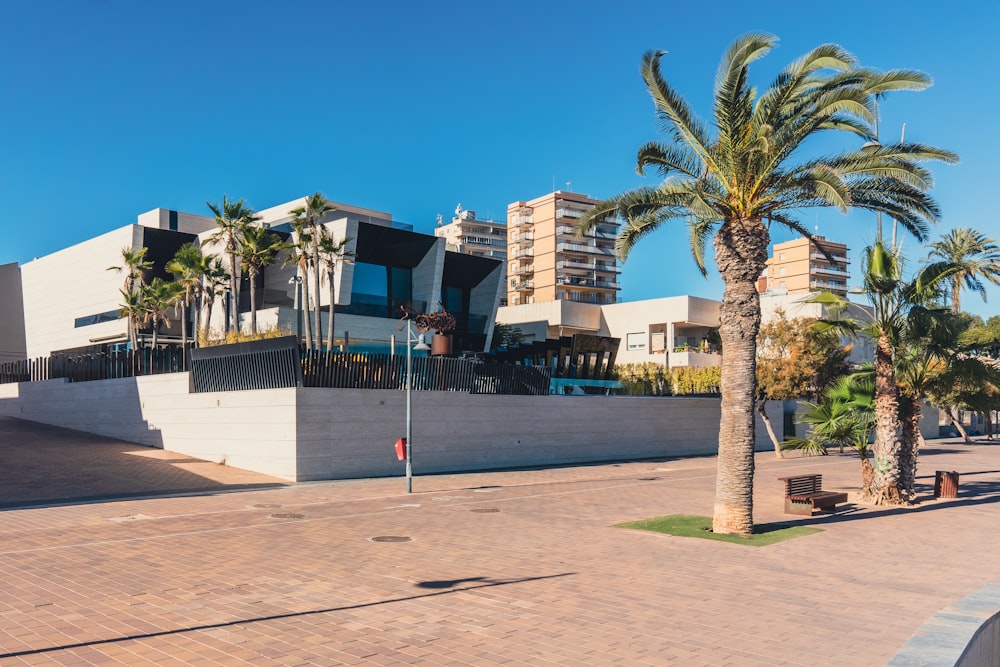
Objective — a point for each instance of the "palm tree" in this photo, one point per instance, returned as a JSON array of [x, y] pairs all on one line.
[[232, 219], [134, 263], [188, 267], [976, 255], [299, 255], [331, 253], [158, 297], [312, 216], [214, 281], [731, 187], [132, 308], [258, 249]]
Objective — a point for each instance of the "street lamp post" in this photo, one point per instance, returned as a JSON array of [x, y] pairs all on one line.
[[420, 345]]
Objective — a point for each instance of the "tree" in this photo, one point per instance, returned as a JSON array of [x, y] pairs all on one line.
[[158, 297], [134, 263], [232, 218], [977, 256], [897, 307], [258, 249], [188, 267], [312, 215], [133, 309], [331, 253], [732, 184], [214, 279], [300, 257], [794, 361]]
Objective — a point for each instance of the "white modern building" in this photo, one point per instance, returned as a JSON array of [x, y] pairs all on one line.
[[70, 300]]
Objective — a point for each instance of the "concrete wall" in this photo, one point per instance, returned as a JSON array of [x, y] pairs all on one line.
[[307, 434], [12, 345]]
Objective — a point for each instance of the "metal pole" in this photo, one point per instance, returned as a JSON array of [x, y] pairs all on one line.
[[298, 308], [409, 420]]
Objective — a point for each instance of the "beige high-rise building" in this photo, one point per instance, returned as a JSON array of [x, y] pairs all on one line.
[[470, 235], [546, 261], [800, 266]]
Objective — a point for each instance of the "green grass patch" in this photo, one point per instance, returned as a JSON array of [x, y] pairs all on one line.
[[683, 525]]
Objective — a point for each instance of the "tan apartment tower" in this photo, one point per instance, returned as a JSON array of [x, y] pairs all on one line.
[[800, 265], [546, 261]]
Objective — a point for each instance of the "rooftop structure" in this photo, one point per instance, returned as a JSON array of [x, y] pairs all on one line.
[[800, 266]]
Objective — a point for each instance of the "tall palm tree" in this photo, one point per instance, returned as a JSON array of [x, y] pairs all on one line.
[[214, 281], [158, 297], [977, 256], [331, 253], [312, 215], [134, 263], [258, 249], [732, 184], [188, 266], [299, 255], [232, 219]]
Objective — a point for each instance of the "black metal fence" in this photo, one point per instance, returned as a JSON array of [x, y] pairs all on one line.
[[279, 362], [95, 366]]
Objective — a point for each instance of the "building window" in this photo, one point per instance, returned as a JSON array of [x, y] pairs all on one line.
[[781, 257], [781, 271], [636, 342], [87, 320]]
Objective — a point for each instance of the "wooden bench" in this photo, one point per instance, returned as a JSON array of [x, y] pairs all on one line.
[[803, 495]]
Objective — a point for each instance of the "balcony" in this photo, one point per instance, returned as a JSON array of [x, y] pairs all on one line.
[[524, 286], [525, 270], [588, 249], [576, 266], [838, 258], [518, 238], [829, 270], [571, 213], [598, 232], [519, 221], [576, 281], [522, 252]]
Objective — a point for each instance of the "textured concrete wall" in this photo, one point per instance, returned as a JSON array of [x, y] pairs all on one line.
[[253, 430], [307, 434]]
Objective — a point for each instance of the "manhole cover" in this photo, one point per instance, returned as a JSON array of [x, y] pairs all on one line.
[[288, 515], [391, 538], [266, 506], [485, 510]]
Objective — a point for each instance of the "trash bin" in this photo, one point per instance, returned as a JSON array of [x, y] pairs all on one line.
[[945, 484]]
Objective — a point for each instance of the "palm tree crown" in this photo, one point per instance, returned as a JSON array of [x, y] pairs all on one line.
[[975, 256], [730, 185], [232, 219]]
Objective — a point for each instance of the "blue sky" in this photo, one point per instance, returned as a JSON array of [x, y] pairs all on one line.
[[110, 108]]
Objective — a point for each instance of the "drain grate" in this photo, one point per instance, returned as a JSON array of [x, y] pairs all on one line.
[[485, 510], [267, 506], [391, 538], [648, 479], [287, 515]]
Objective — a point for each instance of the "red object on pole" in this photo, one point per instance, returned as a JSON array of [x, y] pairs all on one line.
[[401, 449]]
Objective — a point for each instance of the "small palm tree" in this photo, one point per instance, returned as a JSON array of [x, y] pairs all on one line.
[[158, 297], [258, 249], [134, 263], [976, 256], [133, 310], [732, 182], [214, 279], [188, 266], [232, 219], [312, 215], [331, 253]]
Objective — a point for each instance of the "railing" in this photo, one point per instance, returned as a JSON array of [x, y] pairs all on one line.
[[577, 247], [96, 366]]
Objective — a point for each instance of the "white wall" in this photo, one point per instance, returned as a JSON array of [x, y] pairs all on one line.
[[306, 434], [72, 283]]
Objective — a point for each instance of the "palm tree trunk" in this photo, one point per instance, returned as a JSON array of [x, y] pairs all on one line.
[[762, 411], [953, 416], [317, 320], [330, 339], [234, 295], [306, 320], [909, 419], [885, 486], [741, 255], [207, 331], [252, 277], [956, 295]]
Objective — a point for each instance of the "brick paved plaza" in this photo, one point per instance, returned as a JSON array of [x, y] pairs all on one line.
[[217, 566]]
